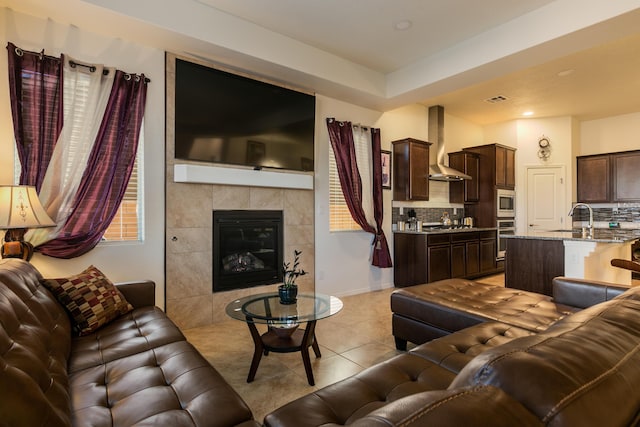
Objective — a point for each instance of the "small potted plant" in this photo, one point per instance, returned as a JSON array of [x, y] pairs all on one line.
[[288, 291]]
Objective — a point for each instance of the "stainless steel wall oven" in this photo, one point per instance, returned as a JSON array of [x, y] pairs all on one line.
[[506, 226]]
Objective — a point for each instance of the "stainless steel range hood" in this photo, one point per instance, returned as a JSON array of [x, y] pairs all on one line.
[[439, 171]]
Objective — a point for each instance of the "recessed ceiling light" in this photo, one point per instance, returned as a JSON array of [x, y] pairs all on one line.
[[402, 25], [527, 113], [565, 73]]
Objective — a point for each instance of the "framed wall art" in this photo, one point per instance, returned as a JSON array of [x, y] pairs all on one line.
[[386, 169]]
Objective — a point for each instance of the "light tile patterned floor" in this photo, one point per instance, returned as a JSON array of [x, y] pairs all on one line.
[[354, 339]]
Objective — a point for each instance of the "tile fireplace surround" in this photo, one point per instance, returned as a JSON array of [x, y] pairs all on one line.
[[188, 255]]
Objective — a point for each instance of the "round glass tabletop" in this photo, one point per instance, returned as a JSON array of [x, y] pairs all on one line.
[[266, 308]]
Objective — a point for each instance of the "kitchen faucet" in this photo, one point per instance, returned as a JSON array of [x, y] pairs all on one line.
[[590, 213]]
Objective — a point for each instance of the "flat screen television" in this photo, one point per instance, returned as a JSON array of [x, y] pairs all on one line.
[[226, 118]]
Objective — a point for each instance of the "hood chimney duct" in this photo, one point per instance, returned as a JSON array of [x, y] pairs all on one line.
[[439, 171]]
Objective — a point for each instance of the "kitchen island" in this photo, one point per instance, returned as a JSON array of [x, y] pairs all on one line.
[[534, 258]]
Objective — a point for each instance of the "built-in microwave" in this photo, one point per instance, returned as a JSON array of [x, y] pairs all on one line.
[[505, 203]]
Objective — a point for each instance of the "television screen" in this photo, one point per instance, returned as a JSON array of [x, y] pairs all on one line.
[[226, 118]]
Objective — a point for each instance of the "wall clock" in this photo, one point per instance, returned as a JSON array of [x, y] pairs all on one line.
[[545, 147]]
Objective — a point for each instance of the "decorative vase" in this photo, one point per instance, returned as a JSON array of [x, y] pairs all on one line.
[[288, 294]]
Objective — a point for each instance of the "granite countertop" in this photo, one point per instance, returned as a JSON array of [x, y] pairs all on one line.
[[600, 235], [427, 229]]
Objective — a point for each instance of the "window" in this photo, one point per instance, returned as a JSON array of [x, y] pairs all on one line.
[[340, 218], [127, 223]]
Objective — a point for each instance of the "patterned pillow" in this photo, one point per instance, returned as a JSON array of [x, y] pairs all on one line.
[[90, 298]]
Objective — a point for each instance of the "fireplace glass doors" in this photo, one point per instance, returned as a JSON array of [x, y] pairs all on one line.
[[247, 248]]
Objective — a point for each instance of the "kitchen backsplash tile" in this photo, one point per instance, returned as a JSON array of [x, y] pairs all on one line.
[[628, 215], [426, 215]]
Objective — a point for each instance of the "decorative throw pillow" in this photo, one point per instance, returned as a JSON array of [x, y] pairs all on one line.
[[90, 298]]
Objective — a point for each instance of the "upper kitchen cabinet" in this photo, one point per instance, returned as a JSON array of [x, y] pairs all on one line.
[[594, 178], [626, 176], [505, 167], [467, 191], [410, 169], [499, 161], [611, 177]]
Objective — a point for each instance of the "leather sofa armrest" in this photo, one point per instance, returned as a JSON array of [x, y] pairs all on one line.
[[584, 293], [139, 293]]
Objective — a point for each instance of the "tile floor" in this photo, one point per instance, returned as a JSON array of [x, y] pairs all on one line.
[[352, 340]]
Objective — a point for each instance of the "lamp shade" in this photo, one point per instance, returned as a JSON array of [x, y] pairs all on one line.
[[21, 208]]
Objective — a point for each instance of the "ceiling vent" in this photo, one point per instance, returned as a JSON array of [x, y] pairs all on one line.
[[496, 99]]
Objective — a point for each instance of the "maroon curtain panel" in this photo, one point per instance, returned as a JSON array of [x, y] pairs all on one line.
[[381, 255], [108, 170], [35, 92], [341, 137]]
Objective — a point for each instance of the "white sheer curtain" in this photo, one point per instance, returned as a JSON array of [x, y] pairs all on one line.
[[86, 93], [362, 142]]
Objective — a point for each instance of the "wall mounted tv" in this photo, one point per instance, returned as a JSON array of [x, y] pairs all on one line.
[[226, 118]]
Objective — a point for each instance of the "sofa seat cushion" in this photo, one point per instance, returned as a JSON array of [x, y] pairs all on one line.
[[454, 304], [91, 299], [581, 371], [139, 330], [454, 351], [169, 385]]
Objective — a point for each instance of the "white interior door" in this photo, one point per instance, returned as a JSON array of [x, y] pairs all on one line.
[[545, 198]]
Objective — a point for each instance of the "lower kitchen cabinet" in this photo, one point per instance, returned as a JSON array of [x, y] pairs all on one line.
[[410, 259], [488, 250], [424, 258], [438, 257]]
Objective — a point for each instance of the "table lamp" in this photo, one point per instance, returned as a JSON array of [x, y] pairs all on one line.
[[20, 209]]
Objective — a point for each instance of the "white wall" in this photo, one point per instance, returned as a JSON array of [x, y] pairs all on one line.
[[524, 135], [119, 262], [611, 134], [342, 264]]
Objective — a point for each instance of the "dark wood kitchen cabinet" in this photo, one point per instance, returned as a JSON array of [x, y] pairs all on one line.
[[467, 191], [521, 272], [465, 254], [611, 177], [438, 257], [594, 178], [424, 258], [410, 169], [505, 167], [488, 251], [410, 259], [496, 171], [626, 176]]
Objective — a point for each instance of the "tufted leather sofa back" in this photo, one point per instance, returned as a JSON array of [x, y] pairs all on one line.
[[584, 370], [35, 336]]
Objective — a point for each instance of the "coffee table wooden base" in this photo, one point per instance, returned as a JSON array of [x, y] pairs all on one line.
[[300, 341]]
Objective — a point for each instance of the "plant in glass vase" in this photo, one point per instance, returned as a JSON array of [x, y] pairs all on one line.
[[288, 291]]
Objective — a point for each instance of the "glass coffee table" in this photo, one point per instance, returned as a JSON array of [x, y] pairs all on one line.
[[283, 334]]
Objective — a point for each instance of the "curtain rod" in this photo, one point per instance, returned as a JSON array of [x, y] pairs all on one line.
[[73, 64], [105, 71], [355, 125]]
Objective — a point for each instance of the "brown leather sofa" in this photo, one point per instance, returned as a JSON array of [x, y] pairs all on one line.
[[500, 366], [137, 370]]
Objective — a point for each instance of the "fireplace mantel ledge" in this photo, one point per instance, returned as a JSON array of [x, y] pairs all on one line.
[[246, 177]]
